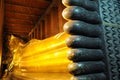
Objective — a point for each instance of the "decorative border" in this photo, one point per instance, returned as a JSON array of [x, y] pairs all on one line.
[[110, 13]]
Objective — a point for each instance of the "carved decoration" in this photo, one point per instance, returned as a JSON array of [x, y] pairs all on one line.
[[110, 14]]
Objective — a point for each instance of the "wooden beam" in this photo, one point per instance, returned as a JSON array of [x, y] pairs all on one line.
[[1, 31], [30, 3], [22, 9], [18, 21], [25, 6], [32, 18], [16, 30], [18, 27], [20, 33]]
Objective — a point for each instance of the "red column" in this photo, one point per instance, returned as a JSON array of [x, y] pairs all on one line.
[[1, 29]]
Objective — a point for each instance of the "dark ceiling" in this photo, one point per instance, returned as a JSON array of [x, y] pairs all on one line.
[[22, 15]]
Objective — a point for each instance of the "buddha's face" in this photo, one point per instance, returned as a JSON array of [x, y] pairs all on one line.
[[14, 43]]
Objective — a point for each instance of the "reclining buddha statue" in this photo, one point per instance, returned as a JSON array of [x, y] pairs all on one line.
[[39, 56]]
